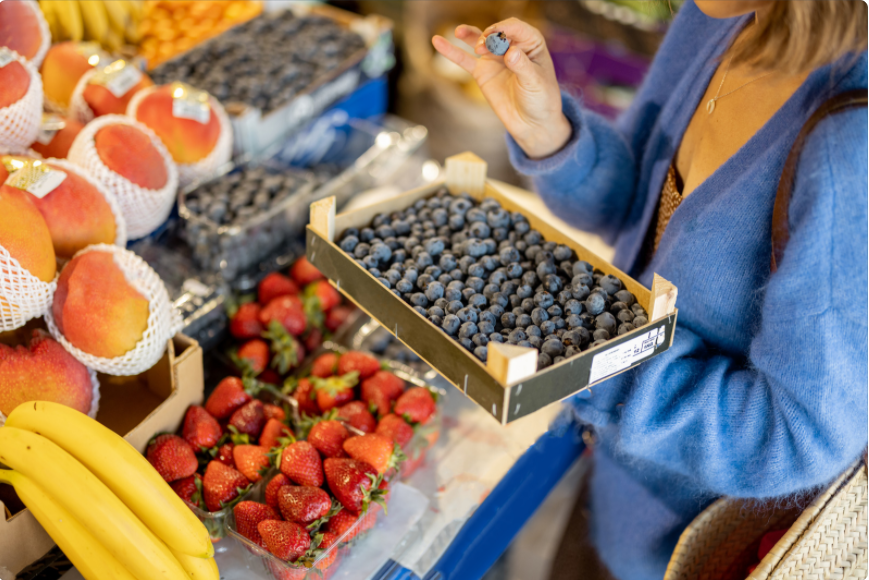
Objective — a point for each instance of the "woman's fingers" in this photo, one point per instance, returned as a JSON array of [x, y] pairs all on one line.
[[454, 53], [527, 73], [468, 34], [521, 35]]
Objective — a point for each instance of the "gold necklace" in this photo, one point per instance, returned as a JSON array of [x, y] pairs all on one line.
[[710, 105]]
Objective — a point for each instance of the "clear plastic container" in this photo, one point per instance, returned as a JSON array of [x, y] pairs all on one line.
[[216, 522]]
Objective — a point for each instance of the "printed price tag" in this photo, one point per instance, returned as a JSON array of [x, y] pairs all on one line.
[[190, 103], [6, 56], [36, 178], [626, 354], [51, 124], [119, 77]]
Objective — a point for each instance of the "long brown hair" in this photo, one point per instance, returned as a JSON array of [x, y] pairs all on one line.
[[800, 36]]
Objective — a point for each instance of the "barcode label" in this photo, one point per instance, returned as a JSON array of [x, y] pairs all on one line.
[[36, 181], [125, 79], [189, 109], [626, 354]]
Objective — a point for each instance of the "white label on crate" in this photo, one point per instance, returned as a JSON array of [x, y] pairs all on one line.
[[624, 355], [6, 56], [36, 180]]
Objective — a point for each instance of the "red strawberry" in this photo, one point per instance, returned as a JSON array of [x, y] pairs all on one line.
[[336, 317], [249, 419], [324, 365], [377, 401], [303, 272], [373, 449], [275, 285], [189, 489], [328, 540], [327, 437], [301, 463], [200, 430], [228, 396], [250, 460], [245, 324], [340, 523], [325, 295], [305, 397], [286, 540], [313, 339], [221, 484], [396, 429], [289, 352], [248, 515], [365, 364], [269, 376], [273, 431], [172, 457], [288, 312], [255, 355], [385, 381], [351, 481], [274, 412], [303, 505], [334, 391], [273, 487], [416, 405], [357, 414], [224, 454]]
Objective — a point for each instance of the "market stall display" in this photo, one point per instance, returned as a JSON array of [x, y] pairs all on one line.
[[110, 24]]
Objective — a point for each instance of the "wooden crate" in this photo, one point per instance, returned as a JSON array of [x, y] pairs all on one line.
[[508, 385]]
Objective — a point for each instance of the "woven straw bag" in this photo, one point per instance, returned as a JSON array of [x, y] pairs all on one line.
[[827, 540]]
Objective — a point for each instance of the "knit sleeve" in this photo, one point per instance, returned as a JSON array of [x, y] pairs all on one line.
[[791, 413]]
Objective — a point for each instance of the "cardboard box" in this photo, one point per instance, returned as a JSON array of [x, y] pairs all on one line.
[[138, 407], [508, 385]]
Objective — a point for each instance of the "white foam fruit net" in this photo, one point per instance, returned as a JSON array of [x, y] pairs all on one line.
[[143, 209], [209, 165], [22, 295], [163, 320], [19, 122], [95, 397], [78, 107]]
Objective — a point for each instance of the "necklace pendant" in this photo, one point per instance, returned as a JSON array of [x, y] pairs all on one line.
[[710, 106]]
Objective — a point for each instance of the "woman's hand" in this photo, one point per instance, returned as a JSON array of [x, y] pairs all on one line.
[[520, 86]]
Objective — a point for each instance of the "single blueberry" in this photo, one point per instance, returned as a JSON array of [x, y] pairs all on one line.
[[535, 341], [554, 310], [436, 311], [424, 260], [509, 255], [485, 326], [528, 305], [370, 262], [418, 299], [514, 271], [439, 217], [434, 246], [625, 316], [404, 285], [385, 282], [366, 235], [544, 299], [467, 343], [552, 283], [480, 339], [482, 353], [543, 360], [498, 218], [624, 328], [490, 289], [547, 328], [626, 297], [515, 301], [564, 297], [454, 306], [348, 244], [611, 284], [476, 270], [478, 300], [467, 314], [436, 320], [639, 321], [445, 279], [384, 232], [489, 263], [516, 335], [533, 330], [559, 322], [441, 303], [587, 320], [601, 334], [452, 294], [411, 275], [499, 298], [508, 320], [638, 310], [361, 250], [457, 274], [411, 243], [539, 316], [523, 320], [480, 230], [497, 310], [381, 252], [553, 347], [606, 321], [475, 214], [476, 283], [562, 252], [496, 337], [456, 221], [467, 330], [468, 292], [617, 307], [594, 304], [574, 321], [497, 277], [423, 281], [487, 316], [582, 267], [421, 310], [525, 290], [433, 271]]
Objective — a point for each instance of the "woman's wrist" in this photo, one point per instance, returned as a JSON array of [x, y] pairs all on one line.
[[543, 142]]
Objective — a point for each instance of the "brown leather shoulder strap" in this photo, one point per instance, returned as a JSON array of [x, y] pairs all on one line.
[[780, 229]]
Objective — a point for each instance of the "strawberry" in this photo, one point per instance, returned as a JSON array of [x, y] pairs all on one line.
[[377, 401], [416, 405], [223, 454], [303, 505], [286, 540], [313, 338], [305, 397], [301, 463], [189, 489], [341, 523], [275, 285], [351, 482], [228, 396], [222, 484], [396, 429], [288, 312], [273, 431], [385, 381], [200, 430], [323, 295], [274, 412], [303, 272], [248, 515], [365, 364], [336, 317], [251, 460], [273, 487], [245, 324], [289, 352], [324, 365], [249, 419], [254, 356], [334, 391], [327, 437], [172, 457], [269, 376], [373, 449], [357, 414], [328, 540]]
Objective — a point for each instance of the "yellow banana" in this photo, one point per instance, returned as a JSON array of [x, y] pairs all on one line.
[[69, 17], [199, 568], [96, 21], [113, 41], [84, 551], [89, 501], [123, 469], [117, 11], [50, 15]]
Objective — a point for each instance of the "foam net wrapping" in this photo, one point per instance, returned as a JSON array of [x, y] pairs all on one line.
[[163, 320], [209, 165], [78, 107], [22, 295], [144, 210], [20, 121], [120, 221], [95, 398]]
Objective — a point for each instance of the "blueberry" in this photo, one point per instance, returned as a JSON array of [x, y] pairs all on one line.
[[553, 347], [543, 360], [533, 237], [467, 330], [577, 337], [639, 321], [597, 343], [579, 292], [552, 283], [467, 314], [421, 310], [459, 206], [528, 305], [525, 290], [544, 269], [547, 328], [467, 343], [366, 235], [401, 227], [508, 288], [478, 300], [559, 322], [624, 328], [384, 232], [351, 232], [626, 297], [361, 250], [452, 294], [497, 310], [468, 292], [381, 252], [457, 274], [475, 248], [523, 320], [625, 316], [501, 235], [424, 260], [518, 311], [476, 283], [532, 330], [594, 304], [516, 335], [490, 289], [441, 303], [508, 320], [496, 337], [480, 339], [606, 321], [539, 316], [489, 263], [396, 292], [404, 285], [418, 299], [411, 243], [617, 307], [509, 255], [587, 320], [571, 351], [498, 218], [371, 263], [423, 281], [349, 243], [447, 262], [477, 270], [582, 278], [535, 341], [611, 284], [601, 334], [485, 326], [564, 297], [384, 281], [582, 267], [475, 214], [562, 252], [456, 221], [487, 316], [515, 301], [544, 300], [574, 321], [434, 290], [436, 320], [554, 310], [434, 246], [444, 279], [572, 307], [399, 256], [514, 271], [638, 310], [497, 277], [480, 230], [499, 298], [481, 352], [411, 275], [436, 311], [439, 217]]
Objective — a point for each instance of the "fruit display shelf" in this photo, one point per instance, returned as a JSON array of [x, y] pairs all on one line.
[[509, 384]]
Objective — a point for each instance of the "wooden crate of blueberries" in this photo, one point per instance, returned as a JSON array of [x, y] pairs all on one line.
[[506, 307]]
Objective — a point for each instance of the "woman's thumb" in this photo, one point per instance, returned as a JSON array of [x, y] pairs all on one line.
[[518, 62]]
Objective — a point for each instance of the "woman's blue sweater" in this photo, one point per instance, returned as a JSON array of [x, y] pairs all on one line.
[[764, 391]]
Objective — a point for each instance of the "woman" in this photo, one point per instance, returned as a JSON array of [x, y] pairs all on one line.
[[763, 393]]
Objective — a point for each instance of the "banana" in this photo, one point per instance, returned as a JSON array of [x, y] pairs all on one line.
[[84, 551], [123, 469], [90, 502], [50, 15], [199, 568], [118, 13], [69, 17], [96, 21], [113, 41]]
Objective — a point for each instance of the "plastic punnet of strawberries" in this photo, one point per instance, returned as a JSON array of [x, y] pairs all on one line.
[[288, 317]]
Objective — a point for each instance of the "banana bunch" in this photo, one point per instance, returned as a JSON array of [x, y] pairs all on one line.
[[109, 511], [109, 22]]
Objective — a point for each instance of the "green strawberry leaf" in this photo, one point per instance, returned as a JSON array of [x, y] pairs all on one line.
[[241, 492]]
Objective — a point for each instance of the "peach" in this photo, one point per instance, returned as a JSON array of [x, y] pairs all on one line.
[[129, 152], [102, 102], [43, 371], [96, 308], [77, 215], [64, 65], [187, 140], [62, 140], [24, 233], [14, 82], [19, 28]]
